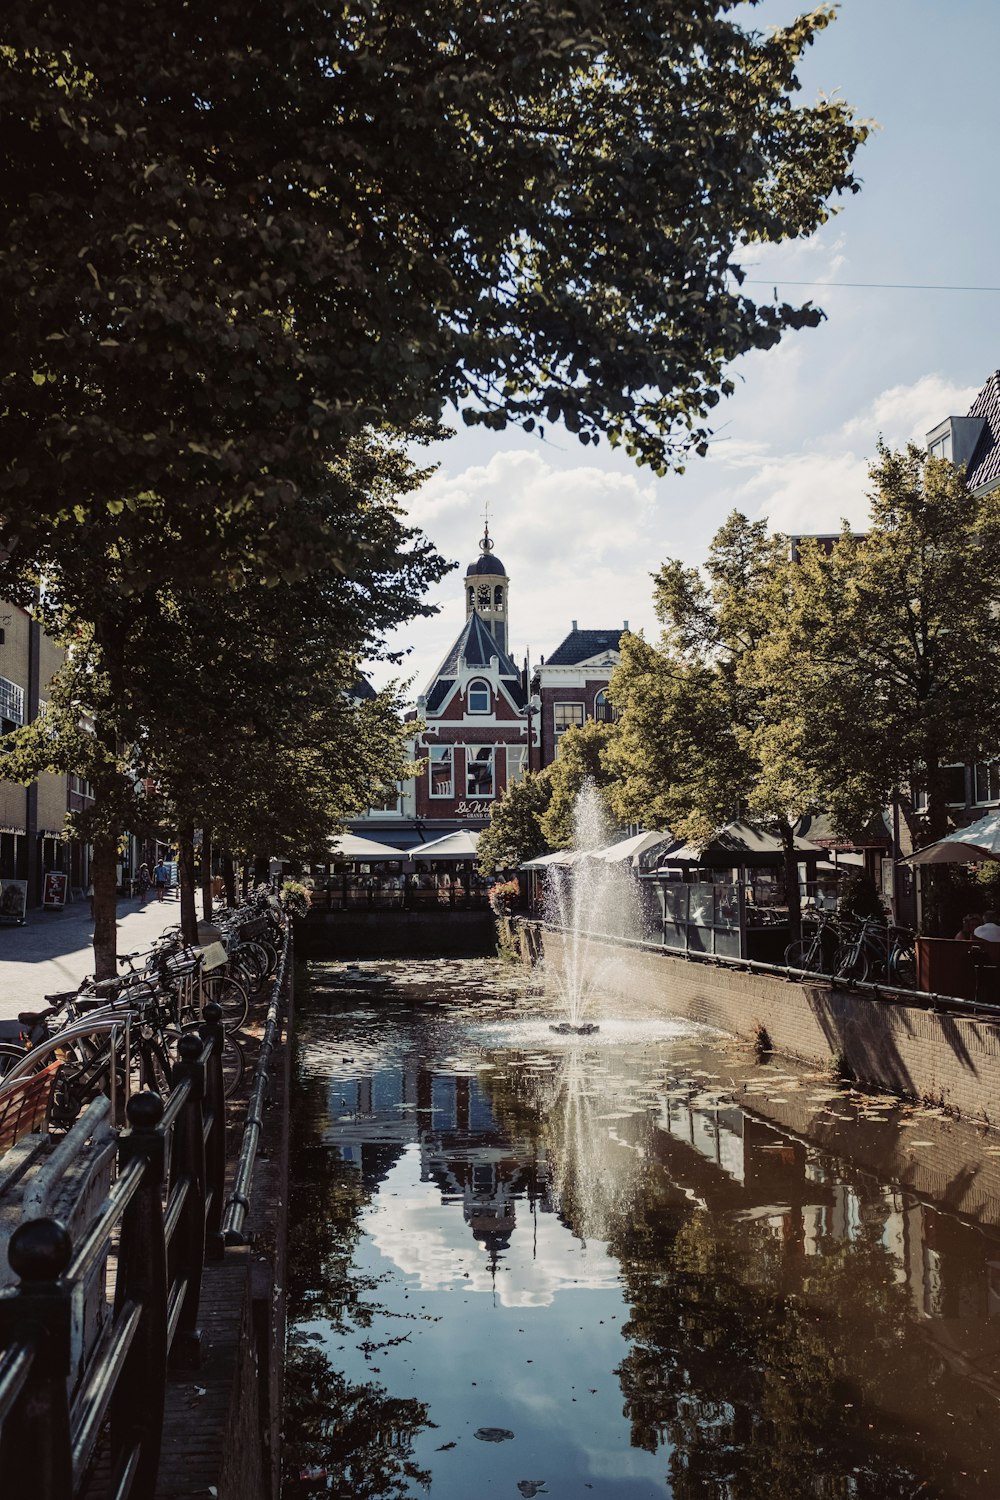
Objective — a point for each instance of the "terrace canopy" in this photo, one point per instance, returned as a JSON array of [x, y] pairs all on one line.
[[966, 846], [741, 844], [458, 845], [351, 846]]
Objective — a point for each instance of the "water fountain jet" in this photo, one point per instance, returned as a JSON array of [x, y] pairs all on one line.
[[587, 899]]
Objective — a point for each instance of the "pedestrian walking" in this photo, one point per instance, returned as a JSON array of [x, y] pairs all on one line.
[[142, 883], [161, 879]]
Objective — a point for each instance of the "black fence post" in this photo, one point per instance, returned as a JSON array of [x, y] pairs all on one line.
[[187, 1163], [138, 1403], [215, 1145], [36, 1455]]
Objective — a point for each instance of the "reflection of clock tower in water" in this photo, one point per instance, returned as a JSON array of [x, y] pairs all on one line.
[[486, 586]]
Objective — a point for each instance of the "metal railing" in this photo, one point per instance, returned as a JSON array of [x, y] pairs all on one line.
[[878, 990], [239, 1197], [166, 1206]]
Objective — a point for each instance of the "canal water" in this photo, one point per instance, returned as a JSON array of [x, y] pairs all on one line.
[[637, 1264]]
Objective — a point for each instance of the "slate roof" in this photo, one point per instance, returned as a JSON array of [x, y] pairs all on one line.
[[581, 645], [361, 689], [983, 468], [476, 644]]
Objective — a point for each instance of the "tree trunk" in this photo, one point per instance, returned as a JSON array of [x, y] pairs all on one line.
[[229, 875], [792, 882], [102, 873], [185, 867], [206, 873]]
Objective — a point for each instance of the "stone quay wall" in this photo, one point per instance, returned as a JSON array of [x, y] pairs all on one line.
[[908, 1049], [391, 933]]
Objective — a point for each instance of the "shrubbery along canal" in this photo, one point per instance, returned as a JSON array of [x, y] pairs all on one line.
[[527, 1264]]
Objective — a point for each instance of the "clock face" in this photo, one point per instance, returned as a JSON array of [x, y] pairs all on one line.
[[484, 596]]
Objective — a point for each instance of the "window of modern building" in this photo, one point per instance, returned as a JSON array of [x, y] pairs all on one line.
[[11, 706], [479, 698], [941, 446], [604, 711], [441, 772], [567, 716], [988, 781], [479, 771], [517, 763]]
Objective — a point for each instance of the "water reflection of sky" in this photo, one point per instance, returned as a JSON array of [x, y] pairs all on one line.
[[603, 1248]]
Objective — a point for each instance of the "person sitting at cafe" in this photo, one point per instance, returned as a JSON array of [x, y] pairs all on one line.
[[966, 933], [989, 931]]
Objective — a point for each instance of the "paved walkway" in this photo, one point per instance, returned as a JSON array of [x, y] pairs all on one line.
[[54, 949]]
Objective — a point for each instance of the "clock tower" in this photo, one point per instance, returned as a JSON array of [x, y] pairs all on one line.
[[486, 585]]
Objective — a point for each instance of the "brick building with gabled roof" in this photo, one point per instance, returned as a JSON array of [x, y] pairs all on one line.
[[573, 683], [474, 709]]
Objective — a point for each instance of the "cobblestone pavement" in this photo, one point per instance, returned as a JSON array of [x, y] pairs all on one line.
[[54, 949]]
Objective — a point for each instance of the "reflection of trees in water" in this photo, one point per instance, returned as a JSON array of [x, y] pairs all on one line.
[[353, 1440], [766, 1373], [347, 1440], [773, 1375]]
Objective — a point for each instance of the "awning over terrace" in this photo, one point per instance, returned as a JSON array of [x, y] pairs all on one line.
[[351, 846], [461, 844]]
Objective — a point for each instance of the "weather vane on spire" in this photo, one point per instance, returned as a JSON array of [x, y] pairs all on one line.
[[486, 545]]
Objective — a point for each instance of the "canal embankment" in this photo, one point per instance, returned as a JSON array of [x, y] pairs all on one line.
[[881, 1042], [392, 932]]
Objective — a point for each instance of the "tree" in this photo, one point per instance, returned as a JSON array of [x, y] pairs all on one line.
[[697, 730], [514, 832], [889, 652], [580, 763], [236, 706], [238, 236]]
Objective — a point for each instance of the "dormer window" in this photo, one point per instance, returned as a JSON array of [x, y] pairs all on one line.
[[479, 698]]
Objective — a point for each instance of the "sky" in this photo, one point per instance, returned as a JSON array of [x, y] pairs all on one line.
[[581, 530]]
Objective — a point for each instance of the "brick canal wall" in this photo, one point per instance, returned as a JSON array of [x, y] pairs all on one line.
[[954, 1060], [391, 933], [222, 1431]]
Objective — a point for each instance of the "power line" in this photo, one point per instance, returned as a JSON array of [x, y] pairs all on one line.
[[882, 286]]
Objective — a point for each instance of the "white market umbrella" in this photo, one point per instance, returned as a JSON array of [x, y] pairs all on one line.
[[560, 857], [630, 848], [353, 846], [981, 840], [458, 845]]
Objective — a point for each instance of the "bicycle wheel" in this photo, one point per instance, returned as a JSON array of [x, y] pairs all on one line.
[[231, 997], [805, 954], [154, 1068], [10, 1055], [850, 962], [250, 960], [903, 966]]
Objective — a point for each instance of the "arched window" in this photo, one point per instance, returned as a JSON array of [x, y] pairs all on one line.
[[604, 712], [498, 597], [472, 597], [479, 698]]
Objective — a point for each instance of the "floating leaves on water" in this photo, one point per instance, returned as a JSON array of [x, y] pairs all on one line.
[[493, 1434]]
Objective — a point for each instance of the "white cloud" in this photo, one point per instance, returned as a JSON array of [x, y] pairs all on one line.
[[580, 540], [907, 413]]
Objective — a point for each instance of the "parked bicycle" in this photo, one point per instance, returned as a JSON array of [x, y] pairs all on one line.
[[815, 954], [872, 950]]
